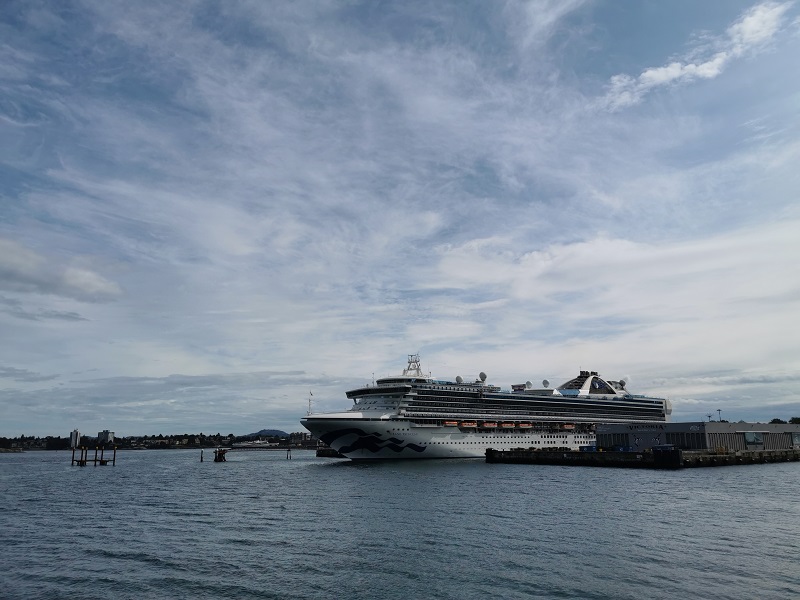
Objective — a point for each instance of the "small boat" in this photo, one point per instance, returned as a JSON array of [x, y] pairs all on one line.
[[451, 423], [508, 425], [525, 425], [489, 424], [469, 423]]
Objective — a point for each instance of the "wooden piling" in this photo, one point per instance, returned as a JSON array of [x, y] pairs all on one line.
[[83, 456]]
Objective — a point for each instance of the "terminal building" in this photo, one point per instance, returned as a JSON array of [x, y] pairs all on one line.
[[701, 435]]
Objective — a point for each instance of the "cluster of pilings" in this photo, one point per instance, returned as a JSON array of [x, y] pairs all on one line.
[[83, 456], [220, 454]]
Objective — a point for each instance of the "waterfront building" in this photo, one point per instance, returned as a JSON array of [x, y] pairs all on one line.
[[105, 437], [700, 435]]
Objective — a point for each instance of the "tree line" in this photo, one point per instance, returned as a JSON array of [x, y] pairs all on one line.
[[186, 440]]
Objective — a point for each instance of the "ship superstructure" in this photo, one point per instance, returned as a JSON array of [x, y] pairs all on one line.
[[414, 415]]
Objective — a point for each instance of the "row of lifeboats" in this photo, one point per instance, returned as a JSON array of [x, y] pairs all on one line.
[[501, 425], [487, 424]]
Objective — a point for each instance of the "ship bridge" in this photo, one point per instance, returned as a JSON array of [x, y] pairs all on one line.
[[589, 383]]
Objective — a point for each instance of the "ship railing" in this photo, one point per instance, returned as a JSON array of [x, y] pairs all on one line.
[[580, 422]]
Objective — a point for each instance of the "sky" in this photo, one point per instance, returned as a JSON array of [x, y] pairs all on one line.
[[214, 212]]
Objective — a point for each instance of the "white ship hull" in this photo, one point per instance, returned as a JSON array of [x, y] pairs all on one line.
[[361, 439]]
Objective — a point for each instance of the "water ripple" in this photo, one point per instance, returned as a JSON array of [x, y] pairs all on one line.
[[162, 524]]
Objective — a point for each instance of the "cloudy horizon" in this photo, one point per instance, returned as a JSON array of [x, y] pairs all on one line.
[[210, 211]]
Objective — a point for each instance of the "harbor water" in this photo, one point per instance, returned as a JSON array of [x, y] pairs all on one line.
[[162, 524]]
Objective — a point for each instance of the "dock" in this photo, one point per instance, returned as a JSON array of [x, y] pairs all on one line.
[[83, 457], [666, 458]]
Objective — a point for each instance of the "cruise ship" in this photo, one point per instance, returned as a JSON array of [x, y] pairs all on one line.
[[417, 416]]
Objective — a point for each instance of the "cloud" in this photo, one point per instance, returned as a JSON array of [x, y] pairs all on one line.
[[320, 189], [239, 402], [15, 309], [756, 26], [731, 380], [534, 23], [23, 270], [24, 375], [751, 32], [719, 301]]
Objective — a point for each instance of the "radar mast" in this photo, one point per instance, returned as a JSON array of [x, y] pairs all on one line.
[[414, 368]]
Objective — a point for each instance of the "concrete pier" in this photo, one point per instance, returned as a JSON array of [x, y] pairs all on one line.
[[666, 458]]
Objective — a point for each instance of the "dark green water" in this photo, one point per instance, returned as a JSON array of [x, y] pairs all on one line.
[[160, 524]]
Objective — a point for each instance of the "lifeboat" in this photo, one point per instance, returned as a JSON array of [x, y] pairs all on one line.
[[569, 426], [489, 424], [525, 425], [451, 423], [507, 425], [469, 424]]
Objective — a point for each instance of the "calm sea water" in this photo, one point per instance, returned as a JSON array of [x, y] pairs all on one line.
[[161, 524]]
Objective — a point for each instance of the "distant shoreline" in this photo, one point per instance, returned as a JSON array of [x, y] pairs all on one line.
[[126, 448]]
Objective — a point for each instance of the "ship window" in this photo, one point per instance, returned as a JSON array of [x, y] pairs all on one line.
[[573, 384], [600, 387]]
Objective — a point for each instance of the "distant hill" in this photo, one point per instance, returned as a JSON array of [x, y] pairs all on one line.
[[269, 433]]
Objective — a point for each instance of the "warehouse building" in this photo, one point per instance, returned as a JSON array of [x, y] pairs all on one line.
[[702, 435]]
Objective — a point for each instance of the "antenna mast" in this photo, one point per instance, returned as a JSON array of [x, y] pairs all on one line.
[[414, 368]]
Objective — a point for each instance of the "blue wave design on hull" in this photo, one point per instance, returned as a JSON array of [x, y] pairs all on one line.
[[368, 441]]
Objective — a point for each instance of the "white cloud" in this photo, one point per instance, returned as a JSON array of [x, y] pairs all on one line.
[[313, 190], [23, 270], [534, 22], [722, 302], [87, 284], [757, 26], [752, 31]]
